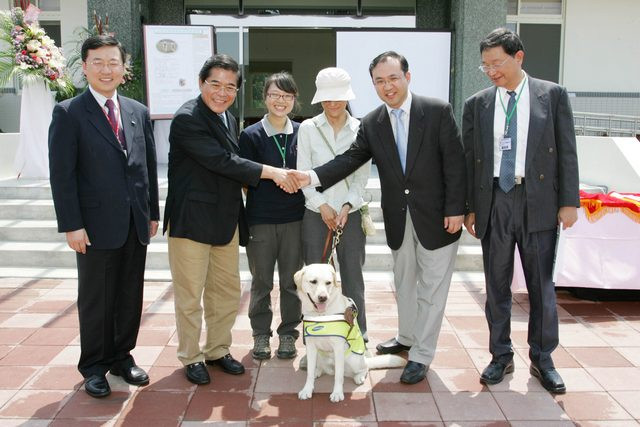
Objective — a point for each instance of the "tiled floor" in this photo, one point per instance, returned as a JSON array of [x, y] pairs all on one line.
[[599, 358]]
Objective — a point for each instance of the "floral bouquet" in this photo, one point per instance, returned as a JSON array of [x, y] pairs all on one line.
[[32, 54]]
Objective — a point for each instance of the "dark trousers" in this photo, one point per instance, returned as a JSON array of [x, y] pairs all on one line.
[[350, 251], [110, 285], [507, 228], [268, 244]]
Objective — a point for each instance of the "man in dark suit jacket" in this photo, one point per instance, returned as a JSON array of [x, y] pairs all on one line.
[[420, 161], [523, 182], [204, 216], [105, 190]]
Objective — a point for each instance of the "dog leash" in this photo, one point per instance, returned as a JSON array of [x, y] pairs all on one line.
[[334, 238]]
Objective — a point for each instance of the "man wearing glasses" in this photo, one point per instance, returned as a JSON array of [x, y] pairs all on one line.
[[522, 169], [204, 217], [104, 182]]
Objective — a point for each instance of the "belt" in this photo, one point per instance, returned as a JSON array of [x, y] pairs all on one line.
[[519, 180]]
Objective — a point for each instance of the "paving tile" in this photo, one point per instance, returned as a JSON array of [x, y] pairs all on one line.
[[218, 406], [529, 406], [578, 379], [5, 349], [455, 380], [168, 378], [519, 381], [155, 337], [69, 356], [451, 358], [354, 407], [14, 377], [28, 320], [168, 357], [48, 306], [278, 407], [81, 422], [157, 320], [221, 381], [448, 339], [81, 405], [388, 380], [35, 404], [14, 304], [155, 407], [591, 406], [603, 423], [467, 406], [541, 423], [22, 422], [624, 308], [52, 336], [30, 355], [587, 309], [629, 400], [591, 357], [14, 336], [324, 384], [280, 380], [55, 378], [146, 355], [6, 395], [616, 379], [68, 320], [632, 354], [406, 407]]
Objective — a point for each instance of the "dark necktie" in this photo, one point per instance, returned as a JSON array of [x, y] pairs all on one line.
[[115, 125], [508, 163]]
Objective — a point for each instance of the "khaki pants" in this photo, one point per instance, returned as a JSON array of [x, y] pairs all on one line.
[[204, 277]]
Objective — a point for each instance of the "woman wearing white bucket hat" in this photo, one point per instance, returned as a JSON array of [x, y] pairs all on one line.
[[320, 139]]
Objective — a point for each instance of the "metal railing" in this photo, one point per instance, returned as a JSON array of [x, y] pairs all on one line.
[[597, 124]]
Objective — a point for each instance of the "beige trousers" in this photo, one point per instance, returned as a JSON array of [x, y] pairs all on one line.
[[206, 280]]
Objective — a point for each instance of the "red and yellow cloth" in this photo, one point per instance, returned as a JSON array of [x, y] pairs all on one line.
[[597, 205]]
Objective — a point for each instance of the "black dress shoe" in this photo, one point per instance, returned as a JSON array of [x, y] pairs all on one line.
[[549, 378], [414, 372], [97, 386], [228, 364], [495, 372], [391, 346], [133, 375], [197, 373]]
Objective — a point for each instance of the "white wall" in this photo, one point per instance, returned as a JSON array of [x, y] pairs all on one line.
[[602, 46], [620, 171], [8, 147]]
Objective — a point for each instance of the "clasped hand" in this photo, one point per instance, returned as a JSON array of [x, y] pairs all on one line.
[[290, 180]]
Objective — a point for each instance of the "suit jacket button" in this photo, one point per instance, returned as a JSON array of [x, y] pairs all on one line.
[[541, 177], [482, 187], [406, 191], [478, 161], [551, 149]]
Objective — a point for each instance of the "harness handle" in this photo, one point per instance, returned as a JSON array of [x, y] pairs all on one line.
[[334, 237]]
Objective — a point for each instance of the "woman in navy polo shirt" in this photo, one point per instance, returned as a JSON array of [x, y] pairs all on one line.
[[275, 220]]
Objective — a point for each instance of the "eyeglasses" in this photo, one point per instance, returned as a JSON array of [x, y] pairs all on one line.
[[216, 86], [495, 67], [383, 82], [276, 96], [111, 65]]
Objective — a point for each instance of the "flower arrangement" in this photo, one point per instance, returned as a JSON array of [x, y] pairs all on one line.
[[32, 54]]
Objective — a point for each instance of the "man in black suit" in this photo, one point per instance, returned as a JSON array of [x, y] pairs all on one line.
[[102, 161], [416, 145], [523, 183], [204, 216]]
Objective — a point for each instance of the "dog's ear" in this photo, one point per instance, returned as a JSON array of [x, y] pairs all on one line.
[[297, 277]]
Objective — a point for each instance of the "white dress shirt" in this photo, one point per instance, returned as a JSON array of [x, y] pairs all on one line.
[[101, 99], [523, 107], [313, 152], [406, 109]]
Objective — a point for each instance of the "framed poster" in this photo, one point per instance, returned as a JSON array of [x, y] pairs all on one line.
[[173, 58]]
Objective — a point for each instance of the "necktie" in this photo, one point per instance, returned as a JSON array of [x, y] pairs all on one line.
[[115, 125], [401, 137], [224, 120], [507, 177]]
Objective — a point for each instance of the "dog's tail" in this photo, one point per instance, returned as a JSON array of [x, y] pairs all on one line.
[[385, 361]]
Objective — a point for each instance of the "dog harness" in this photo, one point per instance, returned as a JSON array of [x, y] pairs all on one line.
[[335, 326]]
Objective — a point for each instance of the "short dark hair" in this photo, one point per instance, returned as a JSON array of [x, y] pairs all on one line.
[[386, 55], [223, 61], [96, 42], [502, 37]]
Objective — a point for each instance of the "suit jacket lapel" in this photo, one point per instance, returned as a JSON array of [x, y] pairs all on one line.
[[538, 115], [99, 120], [417, 125], [486, 119], [128, 124], [231, 131], [388, 141]]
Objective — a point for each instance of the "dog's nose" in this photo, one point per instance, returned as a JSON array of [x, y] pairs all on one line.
[[322, 298]]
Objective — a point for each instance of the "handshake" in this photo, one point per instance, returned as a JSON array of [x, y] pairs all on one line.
[[289, 180]]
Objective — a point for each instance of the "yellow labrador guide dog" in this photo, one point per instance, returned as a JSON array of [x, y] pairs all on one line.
[[333, 340]]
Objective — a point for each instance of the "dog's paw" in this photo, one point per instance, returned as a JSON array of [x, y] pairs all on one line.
[[336, 396], [305, 393], [359, 378]]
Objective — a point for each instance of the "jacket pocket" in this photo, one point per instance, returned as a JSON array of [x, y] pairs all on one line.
[[202, 196]]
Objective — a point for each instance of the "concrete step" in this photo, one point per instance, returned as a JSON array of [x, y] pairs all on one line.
[[59, 255]]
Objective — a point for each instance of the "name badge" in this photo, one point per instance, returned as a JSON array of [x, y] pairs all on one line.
[[505, 144]]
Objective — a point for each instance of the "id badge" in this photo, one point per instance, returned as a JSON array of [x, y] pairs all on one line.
[[505, 143]]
